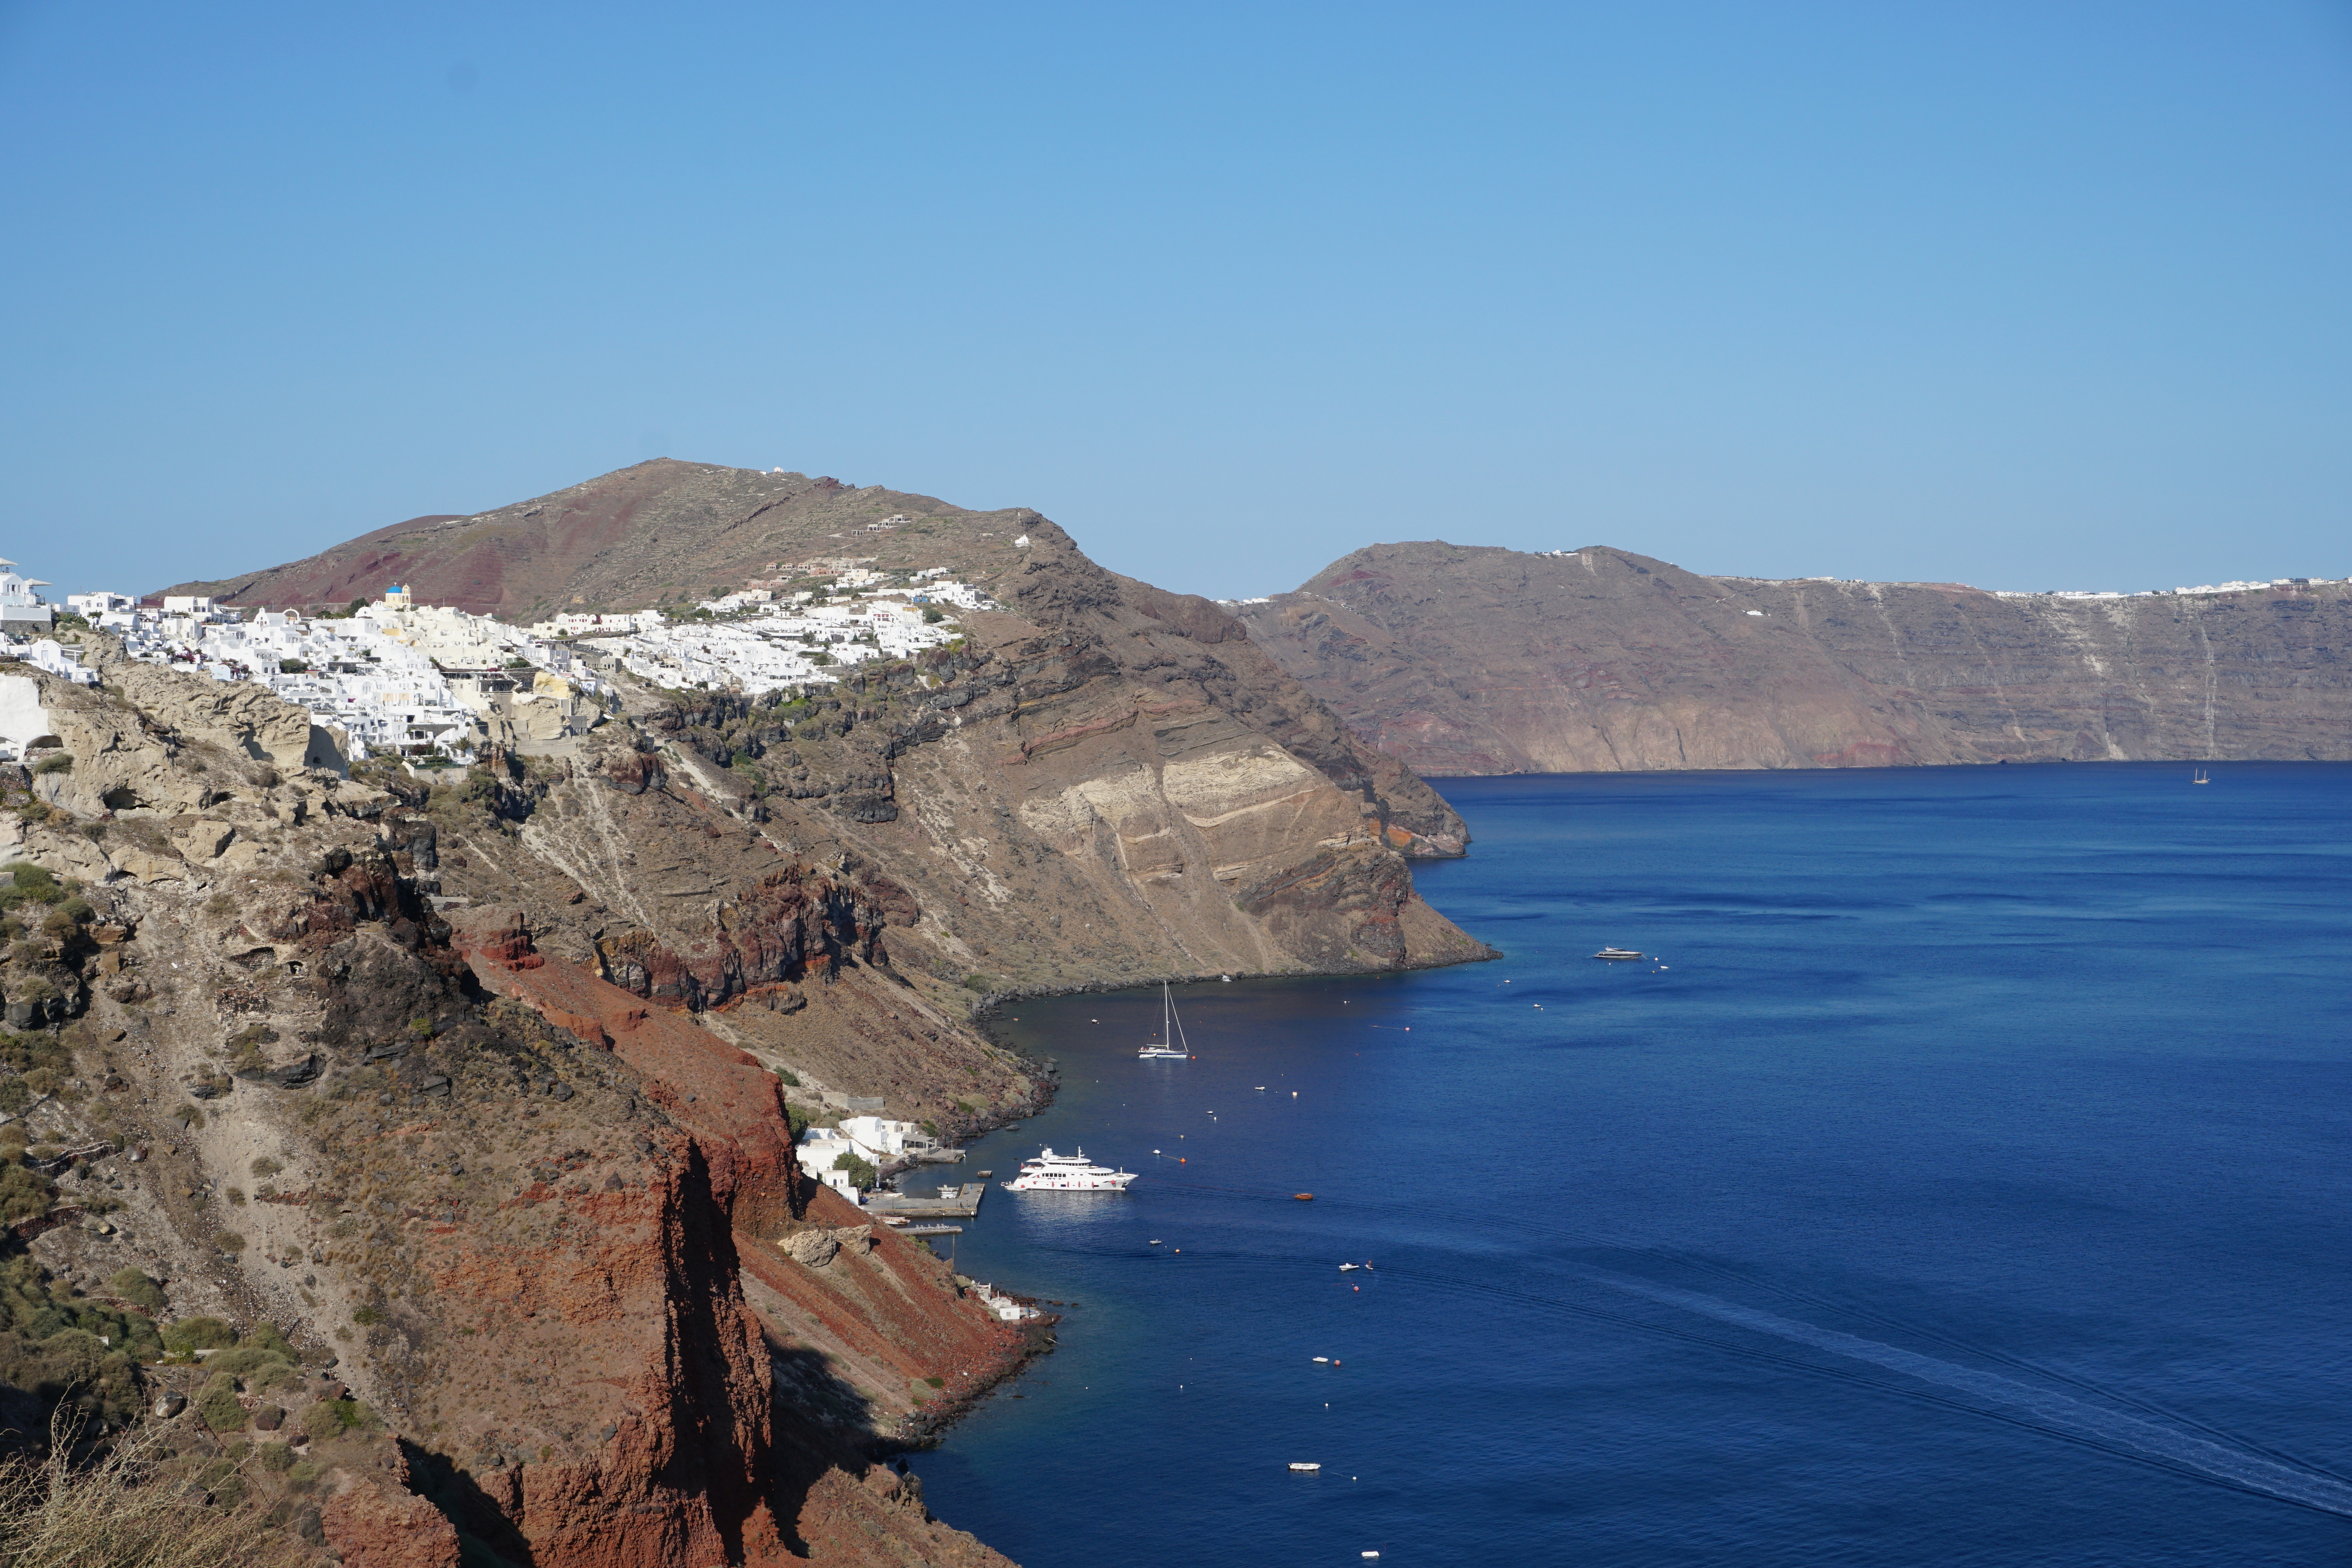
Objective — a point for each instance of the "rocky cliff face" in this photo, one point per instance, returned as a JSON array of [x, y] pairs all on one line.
[[454, 1111], [1463, 660], [529, 1235]]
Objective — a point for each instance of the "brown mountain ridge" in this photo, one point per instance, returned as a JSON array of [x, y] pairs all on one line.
[[1461, 659]]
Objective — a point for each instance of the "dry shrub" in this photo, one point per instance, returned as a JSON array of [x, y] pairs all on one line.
[[121, 1509]]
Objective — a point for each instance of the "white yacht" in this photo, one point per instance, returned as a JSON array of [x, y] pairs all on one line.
[[1172, 1045], [1050, 1172]]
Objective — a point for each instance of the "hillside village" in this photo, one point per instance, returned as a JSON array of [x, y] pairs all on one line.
[[391, 676]]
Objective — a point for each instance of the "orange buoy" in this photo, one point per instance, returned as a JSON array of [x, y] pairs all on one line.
[[1304, 1197]]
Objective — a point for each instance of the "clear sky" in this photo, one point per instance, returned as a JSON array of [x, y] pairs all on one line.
[[2024, 294]]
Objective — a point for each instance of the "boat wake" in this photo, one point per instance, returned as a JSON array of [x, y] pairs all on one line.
[[2154, 1436], [2044, 1408]]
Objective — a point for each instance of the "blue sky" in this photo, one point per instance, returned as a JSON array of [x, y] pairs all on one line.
[[2028, 296]]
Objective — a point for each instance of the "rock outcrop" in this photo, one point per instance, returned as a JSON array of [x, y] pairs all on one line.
[[1464, 660], [472, 1091]]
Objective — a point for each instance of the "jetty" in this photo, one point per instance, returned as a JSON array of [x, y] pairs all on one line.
[[961, 1202]]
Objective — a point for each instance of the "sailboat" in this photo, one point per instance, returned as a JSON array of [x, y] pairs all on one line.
[[2200, 778], [1172, 1029]]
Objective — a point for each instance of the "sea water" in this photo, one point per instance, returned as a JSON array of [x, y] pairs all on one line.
[[1966, 1180]]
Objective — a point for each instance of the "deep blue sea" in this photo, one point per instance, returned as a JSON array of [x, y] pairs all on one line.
[[1971, 1185]]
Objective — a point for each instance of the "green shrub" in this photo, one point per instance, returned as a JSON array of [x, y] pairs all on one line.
[[265, 1336], [28, 881], [217, 1404], [60, 763], [979, 983], [243, 1361], [330, 1417], [368, 1317], [228, 1241], [191, 1334], [861, 1173], [276, 1457], [788, 1076], [264, 1167], [136, 1288], [25, 1194]]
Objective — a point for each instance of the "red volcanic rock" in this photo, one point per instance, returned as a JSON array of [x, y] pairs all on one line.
[[780, 928], [701, 1441], [635, 772], [505, 940], [373, 1526]]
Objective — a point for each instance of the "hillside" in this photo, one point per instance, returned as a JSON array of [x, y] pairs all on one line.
[[658, 532], [456, 1109], [1465, 660]]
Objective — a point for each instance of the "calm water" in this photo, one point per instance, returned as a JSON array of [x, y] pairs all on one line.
[[1971, 1187]]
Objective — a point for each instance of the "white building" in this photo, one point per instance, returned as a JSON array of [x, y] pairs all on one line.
[[46, 653], [21, 609]]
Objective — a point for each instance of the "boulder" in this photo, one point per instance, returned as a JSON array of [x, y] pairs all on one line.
[[294, 1074], [815, 1247]]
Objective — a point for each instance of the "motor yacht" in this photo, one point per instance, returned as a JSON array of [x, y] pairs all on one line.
[[1050, 1172]]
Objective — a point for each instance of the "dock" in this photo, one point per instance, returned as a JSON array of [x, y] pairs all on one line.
[[952, 1203]]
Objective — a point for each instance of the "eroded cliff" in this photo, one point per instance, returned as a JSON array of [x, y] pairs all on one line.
[[457, 1108], [1457, 659]]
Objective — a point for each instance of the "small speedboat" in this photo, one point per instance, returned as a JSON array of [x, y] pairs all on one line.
[[1349, 1268], [1305, 1469], [1616, 954]]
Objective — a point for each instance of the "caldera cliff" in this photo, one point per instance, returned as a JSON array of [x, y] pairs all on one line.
[[451, 1113], [1466, 660]]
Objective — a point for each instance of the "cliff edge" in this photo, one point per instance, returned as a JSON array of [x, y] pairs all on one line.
[[1469, 660]]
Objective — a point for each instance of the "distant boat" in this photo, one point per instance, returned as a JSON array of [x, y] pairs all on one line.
[[1304, 1197], [1615, 954], [1307, 1469], [1171, 1027], [2200, 778], [1349, 1267]]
